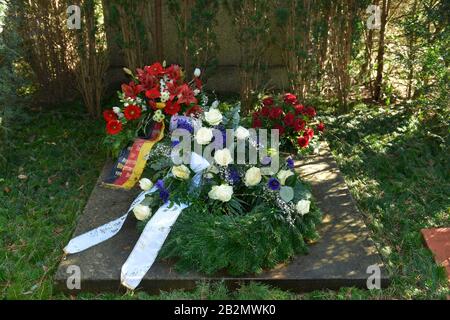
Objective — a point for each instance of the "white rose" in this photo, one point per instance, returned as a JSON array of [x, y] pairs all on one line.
[[204, 135], [213, 116], [241, 133], [283, 175], [252, 177], [181, 172], [145, 184], [116, 110], [222, 193], [197, 72], [302, 207], [223, 157], [141, 212]]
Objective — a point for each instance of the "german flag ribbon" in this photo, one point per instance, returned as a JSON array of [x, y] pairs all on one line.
[[132, 160]]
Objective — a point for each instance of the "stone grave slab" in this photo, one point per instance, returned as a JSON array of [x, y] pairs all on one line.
[[340, 258]]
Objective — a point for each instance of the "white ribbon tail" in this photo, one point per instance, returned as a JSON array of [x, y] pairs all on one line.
[[104, 232], [95, 236], [150, 242]]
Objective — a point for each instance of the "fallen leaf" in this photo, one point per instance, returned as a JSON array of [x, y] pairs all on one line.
[[58, 230], [7, 190]]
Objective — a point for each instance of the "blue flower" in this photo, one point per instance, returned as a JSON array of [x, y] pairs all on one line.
[[163, 192], [185, 124], [164, 195], [175, 143], [274, 184], [159, 184], [233, 176], [290, 163]]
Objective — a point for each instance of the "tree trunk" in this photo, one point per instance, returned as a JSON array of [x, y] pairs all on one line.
[[380, 56]]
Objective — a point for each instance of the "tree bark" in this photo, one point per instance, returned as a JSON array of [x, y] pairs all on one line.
[[380, 56]]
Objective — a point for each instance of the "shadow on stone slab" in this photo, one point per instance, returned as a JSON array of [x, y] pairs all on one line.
[[340, 258]]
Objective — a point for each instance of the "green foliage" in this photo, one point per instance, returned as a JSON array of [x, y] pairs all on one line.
[[13, 82], [195, 25], [239, 244], [57, 153], [396, 164]]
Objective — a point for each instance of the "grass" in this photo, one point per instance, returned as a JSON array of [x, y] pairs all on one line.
[[396, 164]]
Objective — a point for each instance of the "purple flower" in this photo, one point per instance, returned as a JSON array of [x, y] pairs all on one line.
[[159, 184], [164, 195], [163, 192], [233, 176], [274, 184], [185, 124], [175, 143], [290, 163]]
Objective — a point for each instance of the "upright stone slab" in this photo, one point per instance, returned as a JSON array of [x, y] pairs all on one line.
[[340, 258]]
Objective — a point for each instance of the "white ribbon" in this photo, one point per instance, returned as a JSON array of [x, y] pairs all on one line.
[[151, 240], [104, 232]]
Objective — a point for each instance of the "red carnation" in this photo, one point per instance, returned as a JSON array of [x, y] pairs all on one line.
[[289, 119], [267, 101], [321, 127], [280, 128], [113, 127], [299, 108], [290, 98], [265, 111], [132, 112], [310, 111], [309, 133], [194, 111], [275, 112], [257, 123], [299, 124], [303, 141], [172, 108], [109, 115], [153, 93]]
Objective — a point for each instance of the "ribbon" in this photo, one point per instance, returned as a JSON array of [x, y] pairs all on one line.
[[104, 232], [131, 162], [152, 238], [155, 233]]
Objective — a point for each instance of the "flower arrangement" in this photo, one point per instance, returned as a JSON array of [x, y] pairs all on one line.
[[155, 93], [222, 213], [294, 121], [241, 217]]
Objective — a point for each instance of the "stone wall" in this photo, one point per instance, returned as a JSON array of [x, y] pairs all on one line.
[[226, 78]]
